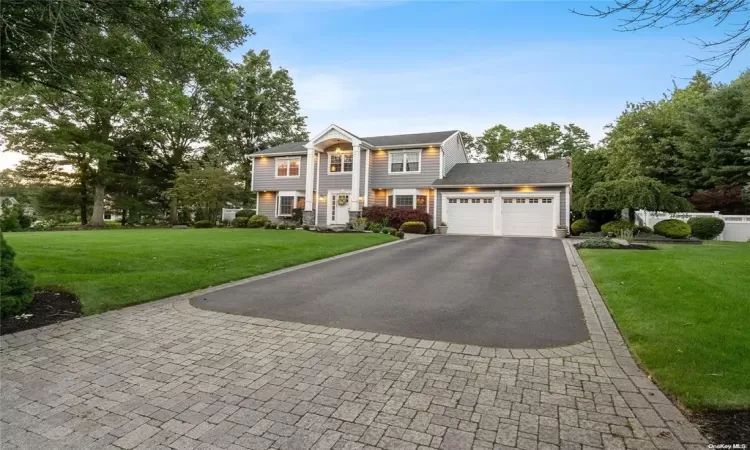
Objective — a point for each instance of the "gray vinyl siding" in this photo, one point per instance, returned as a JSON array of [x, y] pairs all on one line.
[[381, 179], [267, 204], [563, 198], [265, 179], [453, 152]]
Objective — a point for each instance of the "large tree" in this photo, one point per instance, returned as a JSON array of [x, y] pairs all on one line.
[[632, 194], [206, 189], [255, 108], [540, 141]]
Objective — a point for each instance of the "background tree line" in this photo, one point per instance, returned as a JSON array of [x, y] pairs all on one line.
[[694, 143], [112, 102]]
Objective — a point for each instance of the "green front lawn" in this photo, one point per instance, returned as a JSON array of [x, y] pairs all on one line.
[[685, 313], [111, 269]]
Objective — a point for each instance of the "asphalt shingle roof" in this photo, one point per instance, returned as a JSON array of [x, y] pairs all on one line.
[[433, 138], [517, 172], [409, 139]]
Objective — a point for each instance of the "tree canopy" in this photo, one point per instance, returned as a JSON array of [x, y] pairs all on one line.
[[540, 141], [634, 193]]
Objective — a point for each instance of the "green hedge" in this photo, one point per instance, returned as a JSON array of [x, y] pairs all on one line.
[[597, 243], [414, 227], [617, 225], [240, 222], [706, 228], [258, 221], [583, 226], [245, 213], [672, 228], [16, 285], [203, 224]]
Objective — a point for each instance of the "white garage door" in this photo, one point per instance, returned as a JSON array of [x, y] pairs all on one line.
[[527, 216], [469, 215]]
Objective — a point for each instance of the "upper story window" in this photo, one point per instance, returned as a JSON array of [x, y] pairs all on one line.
[[406, 161], [340, 162], [287, 167]]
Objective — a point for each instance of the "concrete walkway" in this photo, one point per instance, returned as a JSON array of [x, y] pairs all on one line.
[[167, 375]]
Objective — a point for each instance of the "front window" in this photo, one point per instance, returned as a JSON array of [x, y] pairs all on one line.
[[285, 206], [404, 162], [340, 163], [287, 167], [405, 201]]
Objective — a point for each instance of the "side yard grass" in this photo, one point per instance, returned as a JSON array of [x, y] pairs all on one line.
[[112, 269], [685, 313]]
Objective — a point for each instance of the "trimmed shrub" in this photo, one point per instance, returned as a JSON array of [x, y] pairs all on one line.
[[112, 225], [306, 227], [269, 226], [392, 231], [643, 229], [583, 226], [245, 213], [281, 226], [400, 234], [375, 227], [16, 285], [297, 214], [396, 217], [597, 243], [240, 222], [592, 234], [203, 224], [617, 225], [706, 228], [385, 230], [258, 221], [413, 227], [672, 228]]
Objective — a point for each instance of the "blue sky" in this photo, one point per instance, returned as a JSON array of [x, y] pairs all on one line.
[[383, 67], [378, 67]]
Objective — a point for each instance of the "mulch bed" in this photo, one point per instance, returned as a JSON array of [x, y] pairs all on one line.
[[724, 427], [46, 308]]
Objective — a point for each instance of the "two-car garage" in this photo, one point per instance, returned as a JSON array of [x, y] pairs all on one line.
[[502, 213], [519, 198]]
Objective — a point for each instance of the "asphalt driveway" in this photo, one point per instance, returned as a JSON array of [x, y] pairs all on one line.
[[490, 291]]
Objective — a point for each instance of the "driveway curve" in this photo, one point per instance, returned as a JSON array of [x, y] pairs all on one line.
[[489, 291]]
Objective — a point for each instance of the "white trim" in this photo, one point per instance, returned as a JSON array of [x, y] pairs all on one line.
[[294, 194], [252, 177], [461, 186], [352, 138], [398, 146], [367, 177], [257, 201], [329, 201], [405, 172], [273, 155], [276, 167], [498, 195], [442, 163], [342, 153], [309, 178], [356, 173], [434, 209], [567, 207], [317, 192]]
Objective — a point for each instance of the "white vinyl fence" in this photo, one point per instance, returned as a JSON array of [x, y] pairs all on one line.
[[228, 213], [736, 228]]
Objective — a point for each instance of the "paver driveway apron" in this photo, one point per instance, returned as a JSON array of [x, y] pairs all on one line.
[[500, 292], [167, 375]]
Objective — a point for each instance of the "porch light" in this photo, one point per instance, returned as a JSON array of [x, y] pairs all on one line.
[[338, 150], [321, 198]]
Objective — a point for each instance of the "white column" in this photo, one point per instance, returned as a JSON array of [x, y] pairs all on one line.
[[356, 161], [309, 178]]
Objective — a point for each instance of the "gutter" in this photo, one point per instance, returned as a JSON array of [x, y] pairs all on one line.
[[466, 185]]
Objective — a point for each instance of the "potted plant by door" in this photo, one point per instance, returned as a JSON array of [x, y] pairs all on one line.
[[442, 229], [561, 231]]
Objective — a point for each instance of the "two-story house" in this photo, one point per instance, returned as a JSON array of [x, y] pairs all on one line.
[[337, 174]]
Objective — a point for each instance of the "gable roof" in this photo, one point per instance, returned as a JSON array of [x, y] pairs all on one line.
[[395, 140], [553, 171], [433, 138]]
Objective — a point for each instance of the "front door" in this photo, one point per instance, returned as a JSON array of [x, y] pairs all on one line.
[[339, 209]]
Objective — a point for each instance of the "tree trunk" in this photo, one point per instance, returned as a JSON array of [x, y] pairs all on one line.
[[97, 216], [173, 215], [631, 215], [84, 201]]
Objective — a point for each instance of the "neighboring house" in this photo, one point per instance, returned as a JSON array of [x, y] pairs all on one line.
[[11, 202], [336, 174]]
